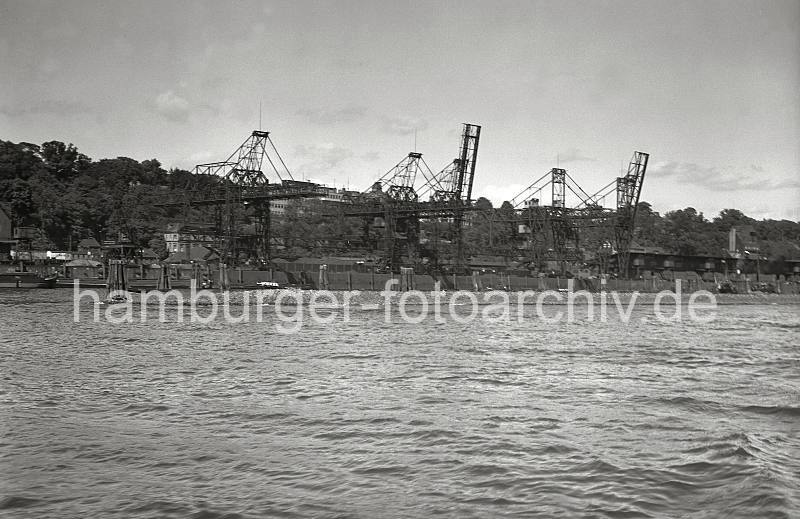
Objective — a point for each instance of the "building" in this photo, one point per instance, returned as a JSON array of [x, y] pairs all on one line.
[[148, 256], [656, 261], [7, 240], [278, 207], [15, 241], [337, 195], [192, 254], [180, 238], [742, 240], [90, 248], [791, 269], [332, 194], [65, 255]]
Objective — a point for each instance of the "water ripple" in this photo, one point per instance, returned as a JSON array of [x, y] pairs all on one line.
[[365, 419]]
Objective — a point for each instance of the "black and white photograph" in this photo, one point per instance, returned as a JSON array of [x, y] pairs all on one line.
[[399, 259]]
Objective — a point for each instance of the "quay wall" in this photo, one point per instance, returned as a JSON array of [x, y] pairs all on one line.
[[375, 299], [140, 277]]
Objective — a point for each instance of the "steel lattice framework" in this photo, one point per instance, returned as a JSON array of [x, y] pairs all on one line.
[[238, 192], [629, 189], [402, 205], [587, 232]]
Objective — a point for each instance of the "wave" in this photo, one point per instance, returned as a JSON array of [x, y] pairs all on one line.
[[9, 502], [782, 411]]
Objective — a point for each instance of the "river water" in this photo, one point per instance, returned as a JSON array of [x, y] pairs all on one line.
[[373, 419]]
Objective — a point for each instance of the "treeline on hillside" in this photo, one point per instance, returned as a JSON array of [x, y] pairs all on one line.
[[67, 196], [689, 232], [685, 231]]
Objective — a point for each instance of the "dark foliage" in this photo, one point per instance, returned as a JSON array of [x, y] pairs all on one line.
[[67, 196]]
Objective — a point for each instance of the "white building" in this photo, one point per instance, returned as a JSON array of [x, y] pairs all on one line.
[[179, 238], [332, 194]]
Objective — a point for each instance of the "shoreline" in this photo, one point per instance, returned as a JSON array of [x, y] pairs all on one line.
[[340, 298]]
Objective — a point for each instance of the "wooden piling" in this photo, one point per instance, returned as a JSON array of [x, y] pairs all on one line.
[[164, 283], [224, 279]]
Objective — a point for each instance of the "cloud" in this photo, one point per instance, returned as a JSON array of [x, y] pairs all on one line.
[[201, 157], [172, 106], [350, 64], [719, 180], [50, 66], [403, 125], [320, 159], [45, 107], [329, 116], [500, 193], [765, 212], [574, 155], [371, 156]]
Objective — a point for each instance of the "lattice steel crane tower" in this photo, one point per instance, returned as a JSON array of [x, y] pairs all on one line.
[[629, 188], [453, 185], [238, 192]]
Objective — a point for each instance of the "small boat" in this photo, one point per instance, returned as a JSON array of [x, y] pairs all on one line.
[[269, 285], [117, 284], [26, 280], [116, 298], [84, 282]]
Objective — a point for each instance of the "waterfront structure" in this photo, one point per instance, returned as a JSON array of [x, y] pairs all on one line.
[[7, 240], [331, 194], [181, 237]]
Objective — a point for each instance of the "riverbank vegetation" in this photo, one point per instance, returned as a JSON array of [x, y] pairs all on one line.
[[67, 196]]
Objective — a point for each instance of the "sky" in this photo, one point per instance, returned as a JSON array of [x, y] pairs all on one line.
[[346, 89]]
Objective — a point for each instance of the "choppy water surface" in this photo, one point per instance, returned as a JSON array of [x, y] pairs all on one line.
[[369, 419]]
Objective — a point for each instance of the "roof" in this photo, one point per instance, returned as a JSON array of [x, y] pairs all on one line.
[[655, 251], [149, 253], [82, 263], [324, 261], [189, 228], [195, 253], [89, 243], [635, 249]]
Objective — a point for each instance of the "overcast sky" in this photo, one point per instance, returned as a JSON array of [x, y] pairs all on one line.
[[709, 89]]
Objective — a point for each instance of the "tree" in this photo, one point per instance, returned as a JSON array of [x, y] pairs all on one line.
[[730, 218], [19, 199], [504, 229], [63, 161], [649, 226], [152, 173], [19, 161], [67, 196], [684, 226], [483, 204]]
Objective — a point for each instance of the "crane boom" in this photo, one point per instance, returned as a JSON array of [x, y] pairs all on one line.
[[629, 189]]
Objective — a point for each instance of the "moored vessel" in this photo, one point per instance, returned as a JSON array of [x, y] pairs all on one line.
[[117, 284], [15, 279]]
